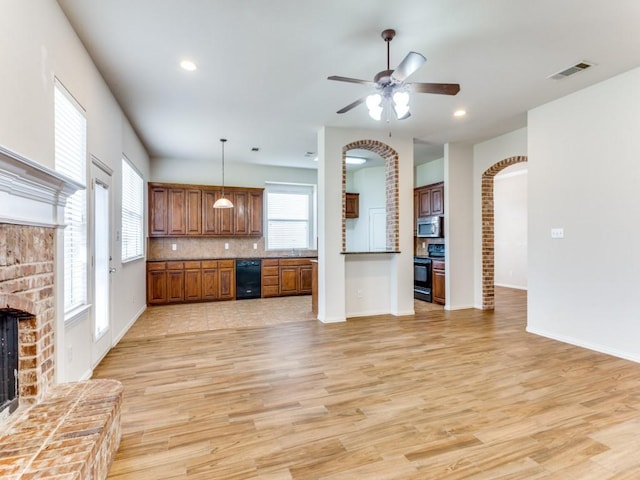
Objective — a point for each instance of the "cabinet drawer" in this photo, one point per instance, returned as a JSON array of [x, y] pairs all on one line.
[[270, 280], [209, 264], [175, 265], [154, 266], [269, 263], [294, 262], [270, 291], [268, 271], [226, 263], [438, 264], [191, 265]]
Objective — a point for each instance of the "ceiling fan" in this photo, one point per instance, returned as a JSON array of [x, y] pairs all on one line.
[[391, 87]]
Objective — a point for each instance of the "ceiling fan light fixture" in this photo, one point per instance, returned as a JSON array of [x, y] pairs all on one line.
[[374, 102], [401, 104], [223, 202]]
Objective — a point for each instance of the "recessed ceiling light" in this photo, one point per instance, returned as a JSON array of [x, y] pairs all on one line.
[[188, 65], [459, 113], [354, 160]]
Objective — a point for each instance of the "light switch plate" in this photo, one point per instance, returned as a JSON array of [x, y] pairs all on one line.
[[557, 233]]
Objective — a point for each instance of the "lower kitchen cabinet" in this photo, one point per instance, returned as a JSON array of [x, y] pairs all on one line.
[[286, 276], [190, 281], [438, 282]]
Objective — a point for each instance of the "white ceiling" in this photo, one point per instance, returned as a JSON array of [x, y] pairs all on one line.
[[263, 66]]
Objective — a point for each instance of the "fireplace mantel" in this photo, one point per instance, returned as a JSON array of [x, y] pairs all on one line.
[[32, 194]]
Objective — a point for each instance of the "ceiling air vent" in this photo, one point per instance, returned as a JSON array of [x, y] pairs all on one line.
[[567, 72]]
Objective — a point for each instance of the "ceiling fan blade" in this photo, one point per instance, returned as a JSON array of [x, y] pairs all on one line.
[[351, 80], [412, 62], [352, 105], [440, 88]]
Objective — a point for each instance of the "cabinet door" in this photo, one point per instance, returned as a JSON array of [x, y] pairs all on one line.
[[352, 205], [437, 200], [175, 285], [224, 215], [192, 285], [177, 211], [424, 202], [306, 279], [438, 286], [289, 283], [226, 280], [210, 283], [193, 212], [209, 218], [157, 287], [255, 214], [158, 212], [241, 211]]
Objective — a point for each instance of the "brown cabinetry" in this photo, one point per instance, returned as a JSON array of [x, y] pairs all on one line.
[[190, 281], [429, 200], [286, 276], [438, 276], [352, 205], [187, 210]]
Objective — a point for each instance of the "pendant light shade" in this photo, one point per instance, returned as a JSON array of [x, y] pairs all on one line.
[[223, 202]]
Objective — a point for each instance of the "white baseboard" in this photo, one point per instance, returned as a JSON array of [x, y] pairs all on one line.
[[588, 345], [506, 285], [86, 375], [128, 326], [459, 307]]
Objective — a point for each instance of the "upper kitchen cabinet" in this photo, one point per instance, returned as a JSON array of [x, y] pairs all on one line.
[[187, 210], [429, 200]]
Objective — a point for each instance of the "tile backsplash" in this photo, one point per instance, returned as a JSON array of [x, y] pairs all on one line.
[[199, 248]]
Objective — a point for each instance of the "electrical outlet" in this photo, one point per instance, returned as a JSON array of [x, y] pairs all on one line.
[[557, 233], [174, 246], [359, 293], [226, 246], [255, 246]]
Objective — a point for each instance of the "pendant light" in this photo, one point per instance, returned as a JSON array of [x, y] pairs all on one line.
[[223, 202]]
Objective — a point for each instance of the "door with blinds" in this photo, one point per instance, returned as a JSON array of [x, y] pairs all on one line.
[[101, 267]]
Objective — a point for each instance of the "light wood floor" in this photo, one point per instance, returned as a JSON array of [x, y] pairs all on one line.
[[438, 395]]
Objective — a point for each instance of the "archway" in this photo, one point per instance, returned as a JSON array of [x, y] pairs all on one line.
[[390, 157], [488, 229]]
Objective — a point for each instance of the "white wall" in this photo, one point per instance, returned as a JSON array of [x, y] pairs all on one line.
[[584, 176], [485, 155], [174, 170], [370, 184], [430, 172], [458, 226], [335, 281], [36, 45], [510, 227]]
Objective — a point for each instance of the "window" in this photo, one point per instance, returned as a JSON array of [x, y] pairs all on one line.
[[71, 160], [290, 216], [132, 212]]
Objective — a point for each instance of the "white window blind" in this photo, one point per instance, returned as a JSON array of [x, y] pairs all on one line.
[[71, 160], [290, 216], [132, 212]]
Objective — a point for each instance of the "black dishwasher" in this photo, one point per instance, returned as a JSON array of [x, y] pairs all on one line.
[[248, 275]]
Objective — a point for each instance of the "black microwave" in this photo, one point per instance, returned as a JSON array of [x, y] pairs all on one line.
[[430, 227]]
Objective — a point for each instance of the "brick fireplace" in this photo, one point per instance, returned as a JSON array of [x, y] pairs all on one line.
[[27, 285], [32, 200], [59, 430]]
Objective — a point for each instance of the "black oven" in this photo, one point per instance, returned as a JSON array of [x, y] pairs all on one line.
[[422, 278]]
